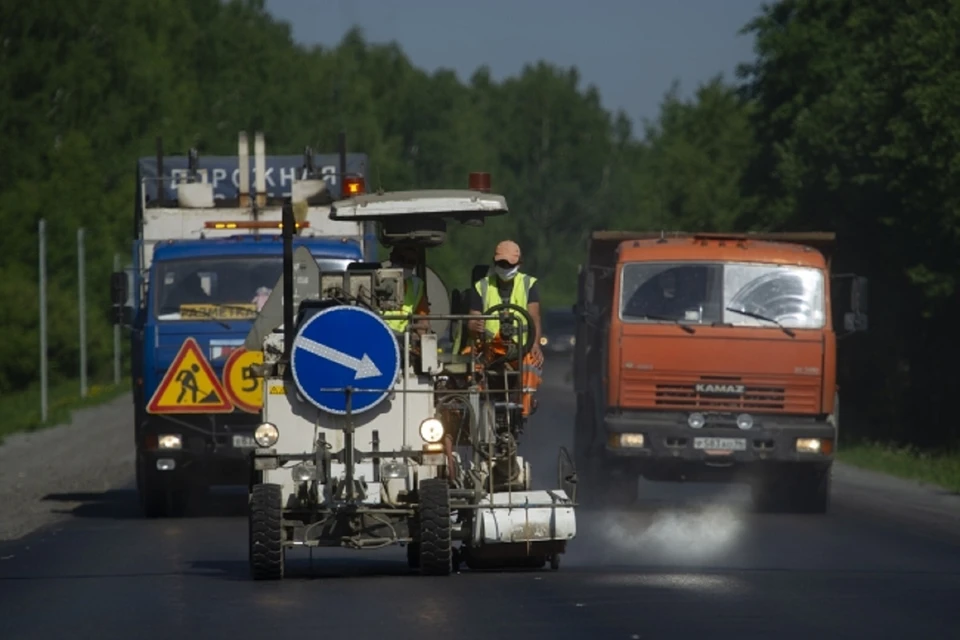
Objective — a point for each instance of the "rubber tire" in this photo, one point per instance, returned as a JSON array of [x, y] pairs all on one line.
[[266, 532], [158, 502], [436, 548], [801, 489], [413, 555]]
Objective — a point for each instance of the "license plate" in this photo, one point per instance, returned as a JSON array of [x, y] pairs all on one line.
[[244, 442], [720, 444]]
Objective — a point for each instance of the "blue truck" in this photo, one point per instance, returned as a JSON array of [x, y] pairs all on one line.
[[207, 251]]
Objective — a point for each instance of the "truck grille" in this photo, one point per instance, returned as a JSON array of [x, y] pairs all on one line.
[[681, 393]]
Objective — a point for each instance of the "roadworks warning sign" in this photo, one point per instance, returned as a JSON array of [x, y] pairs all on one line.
[[189, 386]]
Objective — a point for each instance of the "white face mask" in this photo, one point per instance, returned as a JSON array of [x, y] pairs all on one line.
[[506, 274]]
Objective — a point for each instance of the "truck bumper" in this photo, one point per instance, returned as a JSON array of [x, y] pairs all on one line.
[[655, 441], [212, 450]]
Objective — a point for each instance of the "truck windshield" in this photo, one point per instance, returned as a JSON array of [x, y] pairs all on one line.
[[234, 287], [721, 293]]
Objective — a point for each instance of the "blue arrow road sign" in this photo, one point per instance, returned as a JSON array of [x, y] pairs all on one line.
[[344, 347]]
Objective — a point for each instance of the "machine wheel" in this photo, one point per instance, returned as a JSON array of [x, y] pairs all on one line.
[[555, 562], [436, 549], [413, 555], [266, 532]]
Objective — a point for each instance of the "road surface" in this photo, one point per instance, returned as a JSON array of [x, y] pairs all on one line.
[[687, 561]]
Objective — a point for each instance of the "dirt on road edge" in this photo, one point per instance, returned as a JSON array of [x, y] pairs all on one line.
[[40, 470]]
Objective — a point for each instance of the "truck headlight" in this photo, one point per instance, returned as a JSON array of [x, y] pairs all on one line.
[[266, 435], [808, 445], [431, 430], [169, 441], [696, 420]]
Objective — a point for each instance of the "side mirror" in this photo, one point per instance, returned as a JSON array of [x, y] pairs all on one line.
[[854, 321], [858, 295], [118, 288], [122, 315]]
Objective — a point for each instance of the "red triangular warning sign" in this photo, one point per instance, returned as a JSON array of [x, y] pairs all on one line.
[[190, 386]]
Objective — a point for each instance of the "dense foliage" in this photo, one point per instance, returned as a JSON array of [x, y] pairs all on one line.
[[844, 122]]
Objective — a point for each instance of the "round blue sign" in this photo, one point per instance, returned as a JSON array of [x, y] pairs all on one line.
[[344, 348]]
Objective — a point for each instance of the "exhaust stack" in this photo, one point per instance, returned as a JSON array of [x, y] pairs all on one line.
[[243, 155]]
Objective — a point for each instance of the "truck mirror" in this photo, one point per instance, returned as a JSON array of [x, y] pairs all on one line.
[[858, 295], [855, 321], [118, 288], [122, 315]]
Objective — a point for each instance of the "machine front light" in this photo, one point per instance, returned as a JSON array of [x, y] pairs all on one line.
[[745, 421], [696, 420], [431, 430], [303, 472], [809, 445], [169, 441], [266, 435], [393, 469]]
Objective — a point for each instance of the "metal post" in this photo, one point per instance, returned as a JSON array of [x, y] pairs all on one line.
[[42, 232], [116, 332], [82, 311]]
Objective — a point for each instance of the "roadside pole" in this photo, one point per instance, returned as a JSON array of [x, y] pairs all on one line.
[[42, 232], [116, 332], [82, 310]]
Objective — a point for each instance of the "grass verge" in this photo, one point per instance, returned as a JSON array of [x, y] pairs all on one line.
[[21, 411], [937, 468]]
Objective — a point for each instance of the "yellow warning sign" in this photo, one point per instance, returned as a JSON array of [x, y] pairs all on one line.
[[189, 386], [240, 382]]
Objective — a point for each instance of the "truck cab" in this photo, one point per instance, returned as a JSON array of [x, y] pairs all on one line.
[[717, 362], [207, 252]]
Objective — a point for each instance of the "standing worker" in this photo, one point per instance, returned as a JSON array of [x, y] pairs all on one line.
[[414, 291], [507, 284]]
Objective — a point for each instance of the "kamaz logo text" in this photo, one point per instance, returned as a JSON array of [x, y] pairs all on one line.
[[722, 389]]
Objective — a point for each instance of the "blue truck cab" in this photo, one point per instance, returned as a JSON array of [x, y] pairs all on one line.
[[207, 252]]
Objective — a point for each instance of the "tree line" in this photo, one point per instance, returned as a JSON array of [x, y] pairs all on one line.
[[842, 122]]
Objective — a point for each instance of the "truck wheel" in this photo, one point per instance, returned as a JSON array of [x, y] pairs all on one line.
[[603, 489], [801, 489], [811, 489], [156, 500], [266, 532], [436, 549]]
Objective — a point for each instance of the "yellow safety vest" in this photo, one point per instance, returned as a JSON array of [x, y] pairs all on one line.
[[413, 291], [487, 288]]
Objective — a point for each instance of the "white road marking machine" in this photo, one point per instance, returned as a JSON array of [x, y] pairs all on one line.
[[374, 437]]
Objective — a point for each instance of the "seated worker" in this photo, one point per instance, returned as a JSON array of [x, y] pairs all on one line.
[[507, 284], [414, 292]]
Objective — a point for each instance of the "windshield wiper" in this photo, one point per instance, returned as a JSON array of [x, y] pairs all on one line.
[[751, 314], [675, 321]]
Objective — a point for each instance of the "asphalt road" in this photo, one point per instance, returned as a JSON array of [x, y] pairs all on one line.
[[687, 561]]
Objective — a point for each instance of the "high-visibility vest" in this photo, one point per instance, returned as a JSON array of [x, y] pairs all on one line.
[[487, 288], [413, 291]]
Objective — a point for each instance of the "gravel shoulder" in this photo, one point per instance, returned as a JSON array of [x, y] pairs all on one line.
[[91, 454]]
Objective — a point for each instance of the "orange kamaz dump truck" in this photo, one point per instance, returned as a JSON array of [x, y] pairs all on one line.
[[710, 357]]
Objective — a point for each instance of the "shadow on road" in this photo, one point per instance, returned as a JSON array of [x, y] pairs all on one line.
[[123, 504], [301, 567]]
